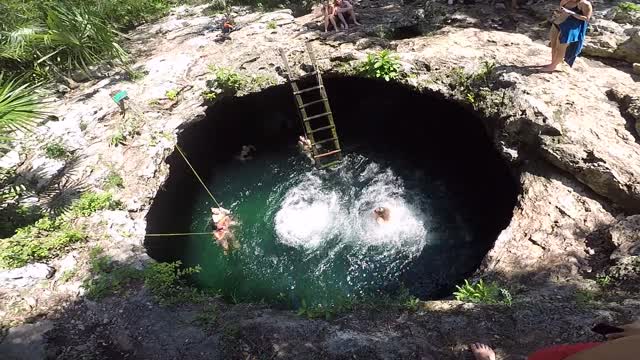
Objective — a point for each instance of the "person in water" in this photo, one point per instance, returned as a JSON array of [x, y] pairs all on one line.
[[382, 215], [567, 38], [245, 153], [305, 147], [221, 220]]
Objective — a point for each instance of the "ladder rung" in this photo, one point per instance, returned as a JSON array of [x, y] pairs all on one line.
[[307, 90], [310, 74], [325, 140], [317, 116], [323, 128], [327, 154], [311, 103], [330, 164]]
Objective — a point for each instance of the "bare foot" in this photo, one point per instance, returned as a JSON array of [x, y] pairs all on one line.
[[482, 352], [357, 23], [549, 68]]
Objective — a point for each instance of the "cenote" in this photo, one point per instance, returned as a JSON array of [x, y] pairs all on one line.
[[308, 236]]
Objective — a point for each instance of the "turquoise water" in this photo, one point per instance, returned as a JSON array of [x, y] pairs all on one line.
[[306, 234]]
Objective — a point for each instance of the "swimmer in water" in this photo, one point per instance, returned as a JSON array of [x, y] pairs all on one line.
[[245, 153], [221, 220], [305, 147], [382, 214]]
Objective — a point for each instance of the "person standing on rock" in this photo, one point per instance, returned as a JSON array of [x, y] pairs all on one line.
[[567, 37]]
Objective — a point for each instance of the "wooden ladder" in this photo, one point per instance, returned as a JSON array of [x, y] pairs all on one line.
[[316, 115]]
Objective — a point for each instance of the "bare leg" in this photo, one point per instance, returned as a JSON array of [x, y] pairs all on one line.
[[343, 21], [326, 23], [554, 39], [482, 352], [561, 49], [332, 18], [353, 16]]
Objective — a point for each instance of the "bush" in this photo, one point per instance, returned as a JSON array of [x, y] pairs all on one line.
[[105, 277], [91, 202], [481, 292], [45, 239], [113, 180], [56, 151], [629, 7], [20, 106], [226, 82], [167, 282], [383, 65]]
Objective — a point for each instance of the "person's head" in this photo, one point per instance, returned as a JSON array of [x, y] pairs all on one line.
[[382, 212], [337, 2], [215, 211]]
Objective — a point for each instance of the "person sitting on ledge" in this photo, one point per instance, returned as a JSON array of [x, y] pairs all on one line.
[[221, 220], [342, 8], [382, 214]]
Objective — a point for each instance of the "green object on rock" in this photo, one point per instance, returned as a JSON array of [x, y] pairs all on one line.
[[119, 96]]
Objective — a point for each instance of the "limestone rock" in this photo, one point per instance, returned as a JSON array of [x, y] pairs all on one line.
[[25, 342], [610, 40], [636, 68], [25, 276], [625, 235]]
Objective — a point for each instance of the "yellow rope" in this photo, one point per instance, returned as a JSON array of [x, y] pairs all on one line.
[[198, 176], [178, 234]]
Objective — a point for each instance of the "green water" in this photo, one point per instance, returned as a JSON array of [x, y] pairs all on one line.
[[310, 235]]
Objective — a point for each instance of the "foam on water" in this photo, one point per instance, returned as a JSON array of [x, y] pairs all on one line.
[[337, 209]]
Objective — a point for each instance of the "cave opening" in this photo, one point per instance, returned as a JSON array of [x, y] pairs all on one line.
[[308, 237]]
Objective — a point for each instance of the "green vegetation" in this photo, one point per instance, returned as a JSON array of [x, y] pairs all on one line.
[[172, 94], [129, 128], [20, 106], [105, 277], [585, 297], [168, 283], [473, 87], [604, 280], [91, 202], [56, 150], [207, 318], [113, 180], [629, 7], [383, 65], [484, 293], [68, 275], [227, 82], [272, 25], [45, 239], [50, 237]]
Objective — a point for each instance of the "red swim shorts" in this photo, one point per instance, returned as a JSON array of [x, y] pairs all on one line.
[[561, 352]]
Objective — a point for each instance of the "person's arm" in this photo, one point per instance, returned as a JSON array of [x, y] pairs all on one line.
[[587, 14]]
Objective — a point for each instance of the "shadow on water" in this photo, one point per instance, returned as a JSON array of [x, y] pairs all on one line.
[[423, 131]]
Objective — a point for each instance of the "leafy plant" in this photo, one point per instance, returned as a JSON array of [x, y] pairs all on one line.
[[105, 277], [20, 106], [68, 275], [113, 180], [45, 239], [91, 202], [56, 151], [383, 65], [167, 282], [481, 292], [271, 25], [629, 7], [118, 139], [472, 86], [172, 94], [225, 82], [603, 280]]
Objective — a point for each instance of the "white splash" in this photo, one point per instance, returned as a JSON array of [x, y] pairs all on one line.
[[316, 211]]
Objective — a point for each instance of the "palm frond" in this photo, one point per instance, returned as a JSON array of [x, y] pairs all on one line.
[[20, 106]]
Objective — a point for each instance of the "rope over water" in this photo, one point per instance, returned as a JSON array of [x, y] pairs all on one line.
[[179, 234], [198, 176]]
